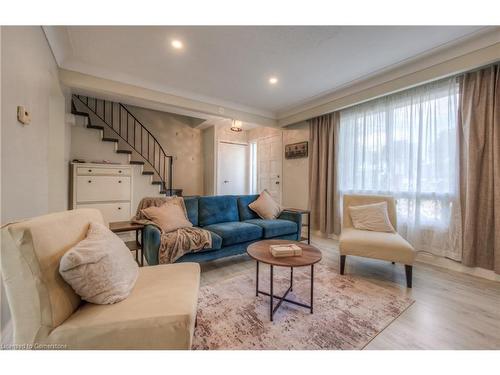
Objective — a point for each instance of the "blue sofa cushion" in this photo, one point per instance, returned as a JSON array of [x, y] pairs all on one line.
[[274, 228], [191, 204], [236, 232], [245, 212], [217, 209]]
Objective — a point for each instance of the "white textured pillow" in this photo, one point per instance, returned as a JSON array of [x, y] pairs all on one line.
[[265, 206], [100, 268], [372, 217]]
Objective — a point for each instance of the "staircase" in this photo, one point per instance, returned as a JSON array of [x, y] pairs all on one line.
[[130, 136]]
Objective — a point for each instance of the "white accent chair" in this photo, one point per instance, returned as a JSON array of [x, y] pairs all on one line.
[[377, 245], [160, 312]]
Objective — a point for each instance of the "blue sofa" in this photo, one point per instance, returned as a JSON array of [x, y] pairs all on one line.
[[232, 224]]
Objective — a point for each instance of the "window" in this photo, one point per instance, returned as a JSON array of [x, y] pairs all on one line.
[[405, 145]]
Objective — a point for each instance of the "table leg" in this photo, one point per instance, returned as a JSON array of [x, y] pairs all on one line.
[[142, 247], [291, 279], [257, 281], [137, 246], [271, 294], [308, 228], [312, 286]]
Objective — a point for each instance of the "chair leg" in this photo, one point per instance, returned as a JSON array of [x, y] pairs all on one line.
[[342, 264], [408, 271]]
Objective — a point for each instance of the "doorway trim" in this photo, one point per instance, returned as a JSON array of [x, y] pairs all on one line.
[[217, 172]]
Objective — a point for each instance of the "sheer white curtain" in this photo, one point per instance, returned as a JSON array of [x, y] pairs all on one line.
[[406, 145]]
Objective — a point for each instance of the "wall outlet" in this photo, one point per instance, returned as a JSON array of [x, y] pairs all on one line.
[[23, 116]]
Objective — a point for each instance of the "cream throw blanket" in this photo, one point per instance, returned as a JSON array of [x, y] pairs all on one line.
[[176, 243]]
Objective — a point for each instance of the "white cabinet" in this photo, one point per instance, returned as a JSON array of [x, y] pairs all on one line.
[[105, 187]]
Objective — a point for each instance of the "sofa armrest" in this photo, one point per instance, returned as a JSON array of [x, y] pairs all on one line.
[[151, 244], [295, 217]]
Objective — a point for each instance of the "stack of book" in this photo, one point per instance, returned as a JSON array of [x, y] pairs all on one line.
[[279, 251]]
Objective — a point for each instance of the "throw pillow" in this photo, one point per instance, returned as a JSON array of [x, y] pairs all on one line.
[[100, 268], [265, 206], [168, 217], [372, 217]]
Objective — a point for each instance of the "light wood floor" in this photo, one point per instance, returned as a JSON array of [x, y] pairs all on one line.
[[452, 310]]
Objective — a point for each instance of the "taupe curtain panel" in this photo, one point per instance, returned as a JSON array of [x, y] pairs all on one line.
[[324, 198], [479, 124]]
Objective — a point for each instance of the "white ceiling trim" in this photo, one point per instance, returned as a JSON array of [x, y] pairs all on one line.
[[98, 80], [434, 58], [131, 94], [59, 39]]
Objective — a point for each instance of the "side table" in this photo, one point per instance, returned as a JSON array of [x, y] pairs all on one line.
[[308, 225], [128, 226]]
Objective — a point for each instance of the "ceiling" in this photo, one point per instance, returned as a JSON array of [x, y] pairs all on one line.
[[231, 65]]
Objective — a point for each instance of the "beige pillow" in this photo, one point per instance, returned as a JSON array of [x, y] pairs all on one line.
[[372, 217], [168, 217], [265, 206], [100, 268]]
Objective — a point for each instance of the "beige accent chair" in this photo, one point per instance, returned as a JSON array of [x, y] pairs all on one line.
[[385, 246], [160, 312]]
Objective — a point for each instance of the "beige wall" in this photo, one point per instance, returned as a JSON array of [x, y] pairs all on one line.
[[296, 171], [180, 139], [32, 155], [34, 176], [208, 136]]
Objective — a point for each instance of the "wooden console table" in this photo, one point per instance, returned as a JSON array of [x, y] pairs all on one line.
[[308, 225], [128, 226]]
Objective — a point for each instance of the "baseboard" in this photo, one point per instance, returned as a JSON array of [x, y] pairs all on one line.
[[456, 266]]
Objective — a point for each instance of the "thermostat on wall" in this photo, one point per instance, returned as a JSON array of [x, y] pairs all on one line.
[[23, 116]]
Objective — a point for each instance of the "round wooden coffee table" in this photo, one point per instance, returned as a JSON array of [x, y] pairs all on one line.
[[261, 253]]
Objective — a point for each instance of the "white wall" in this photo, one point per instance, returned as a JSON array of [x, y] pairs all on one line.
[[34, 176], [295, 171], [86, 144]]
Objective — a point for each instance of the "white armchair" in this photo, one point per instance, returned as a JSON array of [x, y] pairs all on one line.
[[160, 312], [378, 245]]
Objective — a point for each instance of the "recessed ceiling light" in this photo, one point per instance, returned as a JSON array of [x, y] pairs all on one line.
[[273, 80], [177, 44]]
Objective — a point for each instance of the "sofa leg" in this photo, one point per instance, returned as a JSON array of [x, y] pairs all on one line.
[[342, 264], [408, 271]]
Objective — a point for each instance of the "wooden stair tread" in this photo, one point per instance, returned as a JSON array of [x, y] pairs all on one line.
[[148, 173], [156, 182], [137, 162], [108, 139], [78, 113], [123, 151]]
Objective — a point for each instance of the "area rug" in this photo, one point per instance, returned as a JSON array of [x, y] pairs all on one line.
[[349, 312]]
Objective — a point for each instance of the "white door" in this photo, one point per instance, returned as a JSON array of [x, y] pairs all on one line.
[[269, 157], [232, 170]]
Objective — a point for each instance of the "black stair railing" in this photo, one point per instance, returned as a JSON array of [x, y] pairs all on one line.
[[124, 124]]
